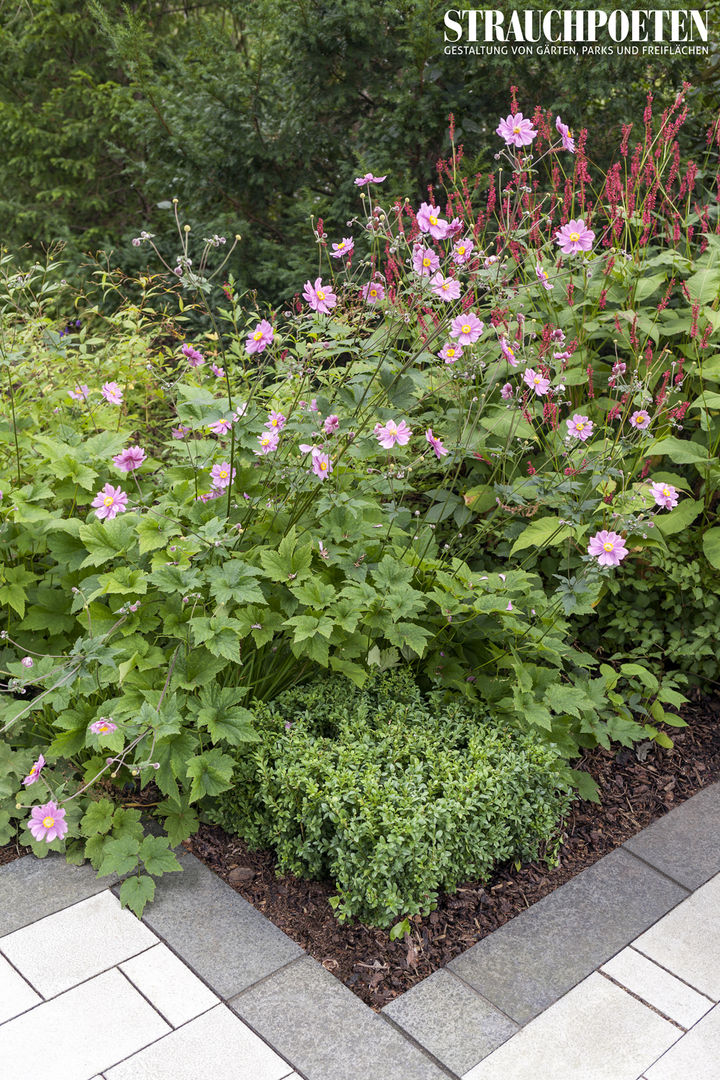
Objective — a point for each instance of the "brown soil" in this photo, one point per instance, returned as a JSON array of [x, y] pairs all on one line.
[[636, 786]]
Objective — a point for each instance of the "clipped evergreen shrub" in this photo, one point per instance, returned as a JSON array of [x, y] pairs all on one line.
[[393, 795]]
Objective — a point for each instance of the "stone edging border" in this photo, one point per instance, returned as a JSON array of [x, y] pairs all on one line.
[[451, 1020]]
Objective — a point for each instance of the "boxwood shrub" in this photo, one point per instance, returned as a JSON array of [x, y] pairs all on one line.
[[393, 795]]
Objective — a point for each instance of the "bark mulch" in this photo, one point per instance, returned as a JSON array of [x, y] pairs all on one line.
[[636, 786]]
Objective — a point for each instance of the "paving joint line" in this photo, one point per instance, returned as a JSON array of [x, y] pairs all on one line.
[[652, 866], [144, 995], [642, 1000], [674, 974], [24, 978], [479, 993], [414, 1042]]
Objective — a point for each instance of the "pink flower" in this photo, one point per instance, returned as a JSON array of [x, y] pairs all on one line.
[[507, 352], [259, 338], [275, 420], [575, 237], [445, 288], [320, 297], [27, 661], [180, 432], [220, 475], [425, 260], [194, 357], [218, 372], [109, 502], [619, 368], [566, 134], [313, 406], [516, 130], [506, 392], [34, 772], [543, 278], [103, 726], [536, 381], [436, 444], [345, 246], [462, 251], [321, 464], [373, 292], [392, 433], [129, 459], [640, 420], [466, 328], [664, 495], [331, 423], [268, 442], [213, 493], [579, 427], [368, 178], [429, 221], [47, 822], [112, 392], [221, 427], [80, 393], [607, 547], [450, 352]]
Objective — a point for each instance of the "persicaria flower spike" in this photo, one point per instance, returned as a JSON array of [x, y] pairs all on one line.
[[47, 822], [607, 547], [130, 459], [516, 130], [109, 502]]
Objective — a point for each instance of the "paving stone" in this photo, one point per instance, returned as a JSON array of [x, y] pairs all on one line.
[[685, 844], [326, 1031], [169, 985], [596, 1032], [216, 1045], [452, 1021], [15, 994], [222, 937], [687, 940], [70, 946], [695, 1057], [658, 987], [536, 957], [31, 888], [80, 1033]]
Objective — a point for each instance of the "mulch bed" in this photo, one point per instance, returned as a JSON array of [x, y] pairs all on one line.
[[636, 785]]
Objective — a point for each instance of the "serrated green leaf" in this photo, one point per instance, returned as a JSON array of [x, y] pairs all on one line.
[[136, 892], [711, 546], [211, 773], [181, 820], [541, 533], [119, 855], [97, 818], [155, 853]]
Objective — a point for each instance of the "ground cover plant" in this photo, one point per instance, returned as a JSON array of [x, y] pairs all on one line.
[[437, 456]]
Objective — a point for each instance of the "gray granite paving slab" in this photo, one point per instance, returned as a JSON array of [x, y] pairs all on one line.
[[328, 1033], [685, 844], [532, 960], [217, 933], [451, 1020], [31, 888]]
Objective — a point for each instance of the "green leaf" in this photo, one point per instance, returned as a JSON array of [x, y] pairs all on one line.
[[219, 634], [586, 786], [641, 673], [562, 698], [233, 726], [158, 858], [355, 672], [711, 546], [105, 541], [681, 451], [409, 634], [540, 533], [154, 532], [7, 830], [181, 820], [289, 562], [136, 892], [234, 580], [680, 517], [97, 818], [211, 773], [119, 855]]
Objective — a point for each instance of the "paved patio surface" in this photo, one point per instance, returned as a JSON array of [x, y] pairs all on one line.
[[614, 976]]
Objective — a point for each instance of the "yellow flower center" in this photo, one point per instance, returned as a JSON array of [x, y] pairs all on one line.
[[579, 427], [607, 546], [432, 220], [666, 492], [223, 474], [516, 131], [257, 335], [392, 430], [537, 380], [321, 296], [640, 418], [265, 441], [108, 500], [373, 292], [323, 465], [466, 328], [461, 250], [574, 237], [426, 262], [48, 822], [450, 352], [341, 245]]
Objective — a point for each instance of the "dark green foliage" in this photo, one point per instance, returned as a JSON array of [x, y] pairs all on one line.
[[666, 610], [393, 795]]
